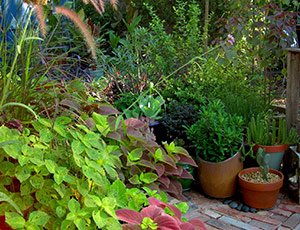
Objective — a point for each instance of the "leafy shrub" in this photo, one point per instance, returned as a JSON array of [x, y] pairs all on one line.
[[217, 135], [64, 171], [177, 117]]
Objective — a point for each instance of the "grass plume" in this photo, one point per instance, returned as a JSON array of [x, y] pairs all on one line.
[[39, 11], [81, 26]]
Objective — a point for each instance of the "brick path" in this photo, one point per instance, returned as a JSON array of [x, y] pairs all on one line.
[[216, 215]]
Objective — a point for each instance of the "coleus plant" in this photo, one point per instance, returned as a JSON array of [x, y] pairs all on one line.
[[146, 163], [158, 215]]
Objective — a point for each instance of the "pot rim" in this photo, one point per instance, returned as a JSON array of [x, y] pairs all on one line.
[[228, 159]]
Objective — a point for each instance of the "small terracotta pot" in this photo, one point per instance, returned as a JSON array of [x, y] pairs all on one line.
[[276, 153], [259, 195], [219, 180]]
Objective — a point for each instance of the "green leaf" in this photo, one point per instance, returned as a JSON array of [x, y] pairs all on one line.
[[99, 219], [39, 218], [15, 220], [37, 181], [50, 165], [83, 187], [118, 191], [109, 204], [93, 154], [23, 173], [5, 198], [134, 180], [182, 206], [62, 120], [158, 155], [80, 223], [92, 201], [135, 154], [46, 135], [77, 147], [73, 205], [60, 211], [111, 172], [45, 122], [60, 129], [148, 178]]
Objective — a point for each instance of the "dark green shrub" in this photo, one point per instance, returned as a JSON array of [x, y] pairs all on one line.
[[217, 135]]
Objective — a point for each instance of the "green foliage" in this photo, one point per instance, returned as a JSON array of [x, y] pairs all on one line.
[[269, 131], [70, 185], [19, 72], [217, 135], [208, 79], [68, 173]]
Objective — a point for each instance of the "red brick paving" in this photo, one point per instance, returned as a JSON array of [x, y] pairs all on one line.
[[216, 215]]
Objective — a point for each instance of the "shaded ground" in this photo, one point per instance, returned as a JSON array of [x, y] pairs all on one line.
[[216, 215]]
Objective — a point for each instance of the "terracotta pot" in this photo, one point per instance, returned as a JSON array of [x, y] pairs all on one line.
[[219, 180], [275, 152], [259, 195]]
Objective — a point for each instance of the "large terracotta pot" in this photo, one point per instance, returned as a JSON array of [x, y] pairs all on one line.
[[276, 153], [219, 180], [259, 195]]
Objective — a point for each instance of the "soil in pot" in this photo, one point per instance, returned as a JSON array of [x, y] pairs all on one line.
[[257, 177]]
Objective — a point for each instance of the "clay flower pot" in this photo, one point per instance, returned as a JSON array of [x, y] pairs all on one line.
[[219, 180], [275, 152], [260, 195]]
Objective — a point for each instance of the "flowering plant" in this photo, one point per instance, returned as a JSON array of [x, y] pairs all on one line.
[[158, 215]]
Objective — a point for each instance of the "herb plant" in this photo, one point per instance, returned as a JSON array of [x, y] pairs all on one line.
[[217, 135]]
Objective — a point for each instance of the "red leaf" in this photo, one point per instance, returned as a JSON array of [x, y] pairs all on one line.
[[131, 227], [187, 226], [198, 224], [168, 160], [115, 136], [134, 123], [154, 201], [186, 175], [164, 180], [107, 110], [151, 211], [166, 222], [160, 169], [187, 160], [129, 216], [134, 134]]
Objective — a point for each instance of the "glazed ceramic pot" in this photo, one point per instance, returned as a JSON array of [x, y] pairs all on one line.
[[219, 179], [276, 153], [260, 195]]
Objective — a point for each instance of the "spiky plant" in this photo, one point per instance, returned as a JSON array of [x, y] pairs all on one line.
[[74, 17]]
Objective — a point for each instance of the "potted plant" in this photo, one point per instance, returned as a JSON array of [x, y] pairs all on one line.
[[272, 136], [217, 136], [260, 185]]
